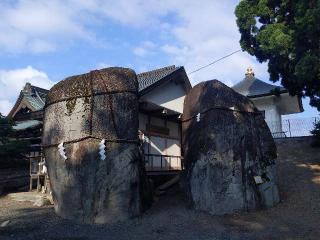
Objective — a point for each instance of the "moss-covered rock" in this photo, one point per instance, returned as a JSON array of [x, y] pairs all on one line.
[[229, 151], [81, 111]]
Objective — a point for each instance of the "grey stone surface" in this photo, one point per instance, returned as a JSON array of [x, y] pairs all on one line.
[[86, 188], [225, 150]]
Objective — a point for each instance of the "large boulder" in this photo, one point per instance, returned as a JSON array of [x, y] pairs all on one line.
[[229, 151], [83, 114]]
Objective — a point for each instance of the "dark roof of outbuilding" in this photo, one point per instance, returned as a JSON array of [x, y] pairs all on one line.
[[146, 79], [252, 87]]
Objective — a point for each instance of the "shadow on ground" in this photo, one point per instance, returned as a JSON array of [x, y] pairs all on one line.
[[296, 217]]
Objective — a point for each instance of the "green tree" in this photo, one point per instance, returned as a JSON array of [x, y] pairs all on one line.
[[286, 34], [12, 150], [316, 134]]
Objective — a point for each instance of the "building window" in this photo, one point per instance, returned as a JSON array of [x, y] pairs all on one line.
[[157, 129]]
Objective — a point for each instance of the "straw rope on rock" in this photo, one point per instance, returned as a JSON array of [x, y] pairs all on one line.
[[229, 151], [90, 144]]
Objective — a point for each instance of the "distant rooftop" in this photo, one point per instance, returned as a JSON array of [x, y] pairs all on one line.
[[146, 79], [251, 86], [35, 95]]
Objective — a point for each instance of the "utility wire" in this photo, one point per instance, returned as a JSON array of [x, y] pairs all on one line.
[[200, 68]]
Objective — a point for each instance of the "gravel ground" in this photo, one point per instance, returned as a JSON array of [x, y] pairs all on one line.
[[296, 217]]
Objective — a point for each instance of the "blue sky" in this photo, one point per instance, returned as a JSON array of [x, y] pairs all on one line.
[[43, 42]]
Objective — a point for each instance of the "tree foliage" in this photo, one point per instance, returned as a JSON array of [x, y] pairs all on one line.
[[286, 34], [316, 134], [11, 150]]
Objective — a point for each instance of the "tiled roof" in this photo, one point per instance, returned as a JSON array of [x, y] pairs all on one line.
[[146, 79], [35, 96], [251, 87]]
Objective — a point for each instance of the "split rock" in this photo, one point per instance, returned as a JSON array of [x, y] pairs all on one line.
[[229, 152]]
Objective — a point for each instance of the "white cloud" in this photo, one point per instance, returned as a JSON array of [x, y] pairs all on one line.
[[208, 31], [39, 46], [5, 106], [202, 31], [144, 49], [192, 33], [140, 51], [137, 13], [103, 65], [12, 82], [41, 26]]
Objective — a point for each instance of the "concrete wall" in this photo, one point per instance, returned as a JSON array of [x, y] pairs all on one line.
[[169, 95]]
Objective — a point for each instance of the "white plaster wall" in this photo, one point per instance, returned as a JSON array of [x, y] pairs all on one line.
[[272, 112], [164, 145], [169, 95]]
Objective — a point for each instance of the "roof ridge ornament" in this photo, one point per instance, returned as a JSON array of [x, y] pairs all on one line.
[[249, 73], [27, 88]]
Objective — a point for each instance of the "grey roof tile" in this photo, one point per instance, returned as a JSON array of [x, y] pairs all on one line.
[[251, 87], [35, 96], [146, 79]]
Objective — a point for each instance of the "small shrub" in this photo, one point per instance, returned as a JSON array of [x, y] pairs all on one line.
[[316, 135]]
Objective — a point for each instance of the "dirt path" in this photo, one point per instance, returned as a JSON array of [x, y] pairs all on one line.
[[296, 217]]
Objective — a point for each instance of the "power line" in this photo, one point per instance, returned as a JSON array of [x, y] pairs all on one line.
[[214, 62]]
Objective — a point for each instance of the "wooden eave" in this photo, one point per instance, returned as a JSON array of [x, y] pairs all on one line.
[[21, 101], [174, 76]]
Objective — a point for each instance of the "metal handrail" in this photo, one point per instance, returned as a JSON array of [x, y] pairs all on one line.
[[165, 162]]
